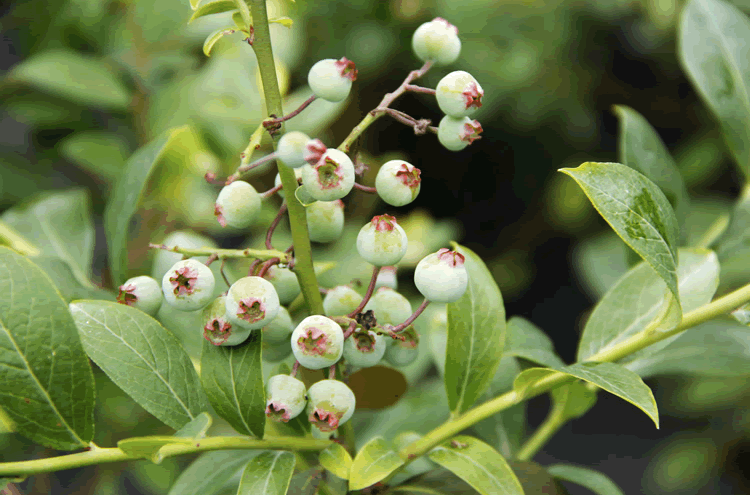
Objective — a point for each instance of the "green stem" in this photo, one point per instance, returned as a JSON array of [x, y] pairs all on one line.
[[298, 223], [222, 254], [104, 455], [714, 231], [639, 341], [556, 418]]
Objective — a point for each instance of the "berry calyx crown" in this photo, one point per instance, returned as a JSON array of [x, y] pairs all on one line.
[[471, 131], [347, 68], [472, 95], [383, 223], [409, 175], [184, 281], [453, 258], [251, 309], [126, 295], [447, 24], [217, 331]]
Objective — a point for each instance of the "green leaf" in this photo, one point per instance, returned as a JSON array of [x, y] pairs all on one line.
[[244, 12], [233, 380], [125, 197], [373, 462], [197, 428], [637, 299], [212, 7], [588, 478], [13, 239], [733, 246], [60, 225], [304, 197], [72, 76], [476, 333], [148, 447], [638, 212], [213, 38], [194, 4], [478, 464], [713, 47], [46, 383], [212, 472], [66, 283], [640, 147], [716, 348], [573, 400], [614, 378], [267, 474], [284, 21], [142, 358], [525, 340], [336, 459], [98, 152]]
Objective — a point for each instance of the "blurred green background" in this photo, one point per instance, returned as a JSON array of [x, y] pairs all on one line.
[[86, 82]]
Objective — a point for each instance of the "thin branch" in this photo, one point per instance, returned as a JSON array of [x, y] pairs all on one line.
[[274, 223], [412, 318], [222, 254], [278, 120], [368, 293], [271, 192], [419, 89], [224, 276], [367, 189]]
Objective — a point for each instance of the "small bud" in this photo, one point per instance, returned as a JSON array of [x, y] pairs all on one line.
[[459, 94], [437, 40], [331, 79], [330, 404], [285, 283], [441, 276], [457, 134], [291, 148], [398, 182], [317, 342], [286, 398], [403, 352], [217, 328], [341, 300], [251, 303], [382, 241], [142, 293], [331, 178], [188, 285], [364, 348], [238, 205], [325, 220], [389, 306]]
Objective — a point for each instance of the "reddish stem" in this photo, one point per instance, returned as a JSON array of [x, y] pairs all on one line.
[[278, 120], [221, 270], [368, 293], [266, 265], [271, 192], [295, 367], [250, 166], [253, 267], [212, 258], [366, 189], [332, 372], [412, 318], [419, 89], [274, 223], [350, 330]]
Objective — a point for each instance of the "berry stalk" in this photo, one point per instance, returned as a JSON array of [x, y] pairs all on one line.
[[368, 293]]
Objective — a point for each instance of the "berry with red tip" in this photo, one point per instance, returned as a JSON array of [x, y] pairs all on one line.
[[457, 134], [251, 303], [331, 79], [141, 292], [217, 328], [330, 178], [442, 276], [238, 205], [330, 404], [340, 300], [398, 182], [285, 283], [325, 220], [317, 342], [291, 148], [437, 40], [382, 241], [188, 285], [364, 348], [459, 94], [286, 398]]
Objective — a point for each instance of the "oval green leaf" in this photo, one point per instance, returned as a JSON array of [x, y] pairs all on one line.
[[478, 464], [212, 472], [148, 447], [267, 474], [196, 428], [233, 380], [588, 478], [733, 246], [638, 212], [640, 147], [126, 196], [46, 383], [373, 462], [611, 377], [212, 7], [637, 299], [572, 400], [476, 334], [213, 38], [525, 340], [336, 459], [713, 47], [99, 152], [142, 358]]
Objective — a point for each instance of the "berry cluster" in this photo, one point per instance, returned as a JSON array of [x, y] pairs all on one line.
[[364, 329]]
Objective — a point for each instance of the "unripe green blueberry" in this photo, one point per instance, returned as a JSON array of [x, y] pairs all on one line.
[[188, 285], [387, 278], [238, 205], [279, 329], [389, 306], [442, 276], [141, 292], [325, 220], [459, 94], [457, 134], [331, 79], [437, 40], [317, 342], [164, 259], [330, 404], [331, 178], [291, 147], [278, 181], [285, 282], [273, 352], [217, 328], [251, 303], [398, 182], [382, 241], [403, 352], [341, 300], [364, 348], [286, 398]]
